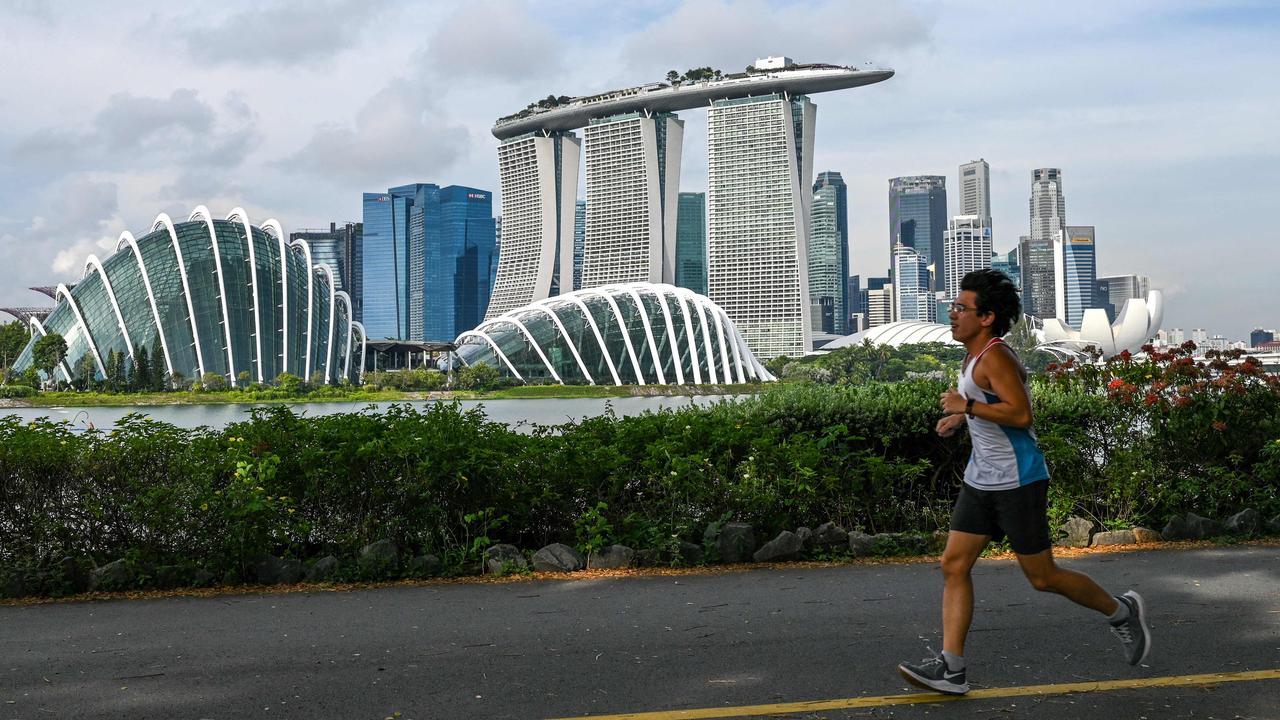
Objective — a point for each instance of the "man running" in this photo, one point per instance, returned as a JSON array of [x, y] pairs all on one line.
[[1005, 489]]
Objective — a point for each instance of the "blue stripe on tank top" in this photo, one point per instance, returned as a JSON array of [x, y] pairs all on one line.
[[1031, 465]]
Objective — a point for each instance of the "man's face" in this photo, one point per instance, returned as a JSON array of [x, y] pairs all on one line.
[[966, 323]]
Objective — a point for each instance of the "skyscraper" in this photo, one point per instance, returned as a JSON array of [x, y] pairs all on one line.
[[384, 264], [579, 240], [459, 250], [1114, 290], [691, 242], [918, 218], [1048, 223], [968, 248], [828, 261], [831, 202], [879, 302], [539, 177], [913, 300], [424, 230], [1009, 265], [759, 161], [975, 190], [633, 177], [1075, 272], [337, 247]]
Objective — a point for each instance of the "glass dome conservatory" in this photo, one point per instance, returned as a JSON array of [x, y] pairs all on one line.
[[218, 296], [632, 334]]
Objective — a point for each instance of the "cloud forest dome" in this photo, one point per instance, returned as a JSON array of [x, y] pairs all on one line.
[[217, 296], [636, 333]]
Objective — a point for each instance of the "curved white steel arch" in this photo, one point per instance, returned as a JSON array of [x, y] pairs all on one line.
[[346, 365], [708, 343], [93, 263], [60, 366], [364, 341], [648, 330], [239, 214], [62, 291], [595, 330], [671, 332], [162, 220], [484, 336], [733, 342], [622, 325], [202, 213], [328, 353], [306, 252], [536, 347], [126, 240], [686, 297], [724, 354], [541, 306], [274, 225]]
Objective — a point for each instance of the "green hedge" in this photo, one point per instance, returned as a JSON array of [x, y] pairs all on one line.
[[1124, 446]]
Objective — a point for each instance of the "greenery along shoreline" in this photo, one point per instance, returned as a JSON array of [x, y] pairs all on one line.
[[1127, 444]]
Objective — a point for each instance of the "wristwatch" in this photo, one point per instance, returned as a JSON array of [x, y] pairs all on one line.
[[968, 408]]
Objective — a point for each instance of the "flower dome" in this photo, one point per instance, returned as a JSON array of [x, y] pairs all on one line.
[[217, 296], [631, 334]]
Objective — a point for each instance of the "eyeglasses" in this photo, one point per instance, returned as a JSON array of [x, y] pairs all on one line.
[[958, 309]]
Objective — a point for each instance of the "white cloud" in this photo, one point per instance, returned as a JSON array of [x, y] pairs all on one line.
[[494, 39], [285, 33]]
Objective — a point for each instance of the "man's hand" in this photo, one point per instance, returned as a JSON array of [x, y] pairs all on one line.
[[952, 402], [949, 424]]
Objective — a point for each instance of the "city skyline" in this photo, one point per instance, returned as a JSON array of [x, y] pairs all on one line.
[[100, 133]]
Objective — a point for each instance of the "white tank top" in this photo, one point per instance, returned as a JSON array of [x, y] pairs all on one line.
[[1003, 457]]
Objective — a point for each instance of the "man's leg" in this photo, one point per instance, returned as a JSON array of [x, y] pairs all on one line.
[[1046, 576], [961, 553]]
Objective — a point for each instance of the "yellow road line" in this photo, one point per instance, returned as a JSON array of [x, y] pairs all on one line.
[[922, 698]]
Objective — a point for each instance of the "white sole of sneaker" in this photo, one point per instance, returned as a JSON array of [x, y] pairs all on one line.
[[1142, 620], [941, 686]]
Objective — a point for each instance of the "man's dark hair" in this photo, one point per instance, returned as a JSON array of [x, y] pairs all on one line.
[[996, 294]]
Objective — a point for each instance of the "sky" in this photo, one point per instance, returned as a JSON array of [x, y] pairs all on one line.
[[1163, 116]]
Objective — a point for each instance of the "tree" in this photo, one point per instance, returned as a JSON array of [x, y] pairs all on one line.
[[49, 352], [141, 369], [84, 371], [214, 381], [1022, 338], [159, 376], [13, 338], [673, 77]]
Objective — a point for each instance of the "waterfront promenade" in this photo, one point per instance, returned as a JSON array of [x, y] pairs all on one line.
[[791, 641]]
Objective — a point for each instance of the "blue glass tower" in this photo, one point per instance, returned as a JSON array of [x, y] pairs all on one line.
[[460, 255], [691, 242], [384, 259], [918, 218]]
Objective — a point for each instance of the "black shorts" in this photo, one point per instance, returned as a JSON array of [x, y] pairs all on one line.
[[1020, 514]]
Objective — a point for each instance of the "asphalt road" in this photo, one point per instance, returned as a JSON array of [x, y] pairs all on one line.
[[560, 648]]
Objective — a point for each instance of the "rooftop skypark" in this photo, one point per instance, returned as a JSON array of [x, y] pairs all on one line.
[[772, 75]]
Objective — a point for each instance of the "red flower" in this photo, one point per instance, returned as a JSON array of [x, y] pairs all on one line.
[[1115, 384], [1219, 425], [1151, 399], [1125, 355]]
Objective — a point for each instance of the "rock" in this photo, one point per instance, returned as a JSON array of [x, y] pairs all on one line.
[[1114, 537], [424, 566], [612, 556], [502, 558], [1247, 522], [1273, 525], [829, 534], [806, 536], [1190, 527], [690, 553], [860, 543], [202, 578], [323, 569], [786, 546], [1077, 532], [114, 575], [898, 544], [734, 542], [74, 575], [647, 558], [271, 570], [379, 559], [558, 557], [1146, 535]]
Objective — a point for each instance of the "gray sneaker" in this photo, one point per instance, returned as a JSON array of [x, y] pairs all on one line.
[[932, 674], [1133, 632]]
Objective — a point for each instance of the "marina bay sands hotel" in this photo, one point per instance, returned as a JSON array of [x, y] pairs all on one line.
[[760, 131]]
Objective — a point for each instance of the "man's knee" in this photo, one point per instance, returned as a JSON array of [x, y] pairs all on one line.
[[1043, 581], [954, 567]]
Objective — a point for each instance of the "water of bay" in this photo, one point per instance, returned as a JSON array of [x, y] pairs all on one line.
[[521, 414]]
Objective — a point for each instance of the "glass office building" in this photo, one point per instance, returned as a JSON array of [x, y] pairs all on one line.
[[384, 261], [918, 219], [219, 296], [691, 242]]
